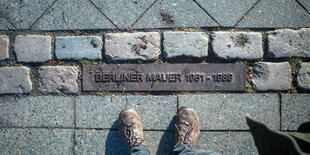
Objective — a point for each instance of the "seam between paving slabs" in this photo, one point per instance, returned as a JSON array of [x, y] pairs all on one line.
[[74, 124], [8, 20], [206, 12], [30, 27], [104, 14], [133, 24], [247, 13], [303, 6]]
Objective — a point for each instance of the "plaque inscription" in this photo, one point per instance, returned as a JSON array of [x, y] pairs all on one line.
[[164, 77]]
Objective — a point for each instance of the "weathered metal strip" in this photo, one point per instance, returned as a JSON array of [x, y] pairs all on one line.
[[164, 77]]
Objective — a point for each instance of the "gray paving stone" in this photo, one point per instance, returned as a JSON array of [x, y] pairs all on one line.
[[58, 79], [98, 142], [226, 12], [78, 47], [33, 48], [303, 76], [160, 142], [305, 3], [36, 141], [276, 14], [4, 47], [157, 112], [4, 24], [192, 44], [72, 15], [272, 76], [227, 142], [122, 13], [39, 111], [295, 110], [98, 111], [132, 46], [228, 111], [180, 13], [15, 80], [23, 13], [237, 45], [288, 43]]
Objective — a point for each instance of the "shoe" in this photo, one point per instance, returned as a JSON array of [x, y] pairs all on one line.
[[130, 129], [187, 127]]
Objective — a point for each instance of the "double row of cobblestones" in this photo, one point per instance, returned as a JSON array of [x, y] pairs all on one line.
[[230, 46]]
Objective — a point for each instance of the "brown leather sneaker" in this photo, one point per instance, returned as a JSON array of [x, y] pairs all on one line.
[[130, 129], [187, 127]]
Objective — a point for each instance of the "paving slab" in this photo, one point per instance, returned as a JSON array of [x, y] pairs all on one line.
[[176, 13], [295, 110], [160, 142], [132, 46], [190, 44], [287, 43], [33, 48], [37, 111], [303, 76], [4, 47], [237, 45], [99, 111], [36, 141], [226, 12], [272, 76], [229, 142], [123, 13], [15, 80], [58, 79], [305, 3], [78, 47], [228, 111], [156, 112], [4, 24], [24, 13], [276, 14], [98, 142], [72, 15]]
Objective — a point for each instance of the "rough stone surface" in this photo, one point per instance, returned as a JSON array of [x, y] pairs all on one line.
[[237, 45], [157, 112], [276, 13], [98, 111], [295, 110], [98, 142], [132, 46], [227, 12], [15, 80], [58, 79], [303, 76], [288, 43], [227, 142], [192, 44], [39, 111], [177, 13], [78, 47], [272, 76], [72, 15], [228, 111], [36, 141], [122, 13], [33, 48], [160, 142], [23, 13], [4, 47], [4, 24]]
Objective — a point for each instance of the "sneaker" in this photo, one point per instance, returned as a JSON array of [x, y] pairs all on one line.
[[130, 129], [187, 127]]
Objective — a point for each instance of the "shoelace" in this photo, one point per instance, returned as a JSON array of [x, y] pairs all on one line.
[[132, 138], [187, 130]]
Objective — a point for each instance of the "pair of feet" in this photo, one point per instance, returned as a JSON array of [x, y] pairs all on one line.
[[187, 128]]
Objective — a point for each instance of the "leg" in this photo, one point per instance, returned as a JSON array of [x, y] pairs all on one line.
[[187, 132], [131, 132]]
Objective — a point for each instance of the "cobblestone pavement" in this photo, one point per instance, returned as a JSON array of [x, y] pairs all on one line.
[[44, 44]]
